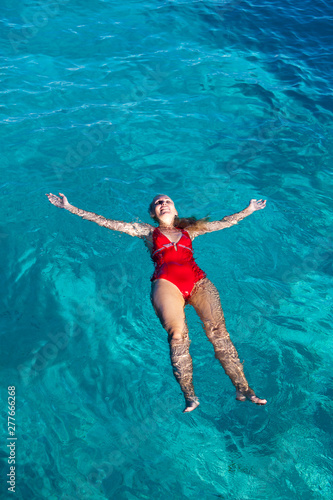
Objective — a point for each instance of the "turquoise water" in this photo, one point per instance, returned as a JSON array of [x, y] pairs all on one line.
[[212, 103]]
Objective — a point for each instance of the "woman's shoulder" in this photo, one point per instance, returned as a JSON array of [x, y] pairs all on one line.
[[143, 229], [190, 232], [193, 230]]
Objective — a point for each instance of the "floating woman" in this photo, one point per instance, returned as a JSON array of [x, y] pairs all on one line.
[[178, 281]]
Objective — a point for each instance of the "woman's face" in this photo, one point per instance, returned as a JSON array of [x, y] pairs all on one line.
[[163, 208]]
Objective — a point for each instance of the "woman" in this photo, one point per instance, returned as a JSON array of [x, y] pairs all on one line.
[[178, 281]]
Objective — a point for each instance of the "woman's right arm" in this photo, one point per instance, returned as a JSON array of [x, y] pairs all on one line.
[[141, 230]]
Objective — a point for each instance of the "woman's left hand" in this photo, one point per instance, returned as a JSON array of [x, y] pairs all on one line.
[[257, 205]]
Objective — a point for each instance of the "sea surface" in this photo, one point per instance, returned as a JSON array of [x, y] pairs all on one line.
[[213, 103]]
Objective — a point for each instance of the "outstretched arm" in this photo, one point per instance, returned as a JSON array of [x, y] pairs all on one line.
[[140, 230], [229, 220]]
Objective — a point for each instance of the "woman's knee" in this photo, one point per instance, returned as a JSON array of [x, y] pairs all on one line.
[[176, 333], [216, 331], [179, 343], [177, 330]]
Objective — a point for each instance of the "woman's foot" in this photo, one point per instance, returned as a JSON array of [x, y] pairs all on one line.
[[191, 405], [250, 395]]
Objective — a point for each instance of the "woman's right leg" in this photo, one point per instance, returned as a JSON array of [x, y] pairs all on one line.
[[169, 304]]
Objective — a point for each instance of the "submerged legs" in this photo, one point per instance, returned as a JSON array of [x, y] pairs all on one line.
[[206, 301], [169, 305], [182, 368]]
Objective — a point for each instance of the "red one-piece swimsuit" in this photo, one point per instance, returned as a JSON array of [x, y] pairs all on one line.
[[174, 262]]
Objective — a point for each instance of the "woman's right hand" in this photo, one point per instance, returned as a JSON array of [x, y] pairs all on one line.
[[58, 202]]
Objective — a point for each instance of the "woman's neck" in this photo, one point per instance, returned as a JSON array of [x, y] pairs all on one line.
[[167, 223], [166, 226]]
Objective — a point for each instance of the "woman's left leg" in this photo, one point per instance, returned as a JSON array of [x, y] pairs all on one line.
[[206, 301]]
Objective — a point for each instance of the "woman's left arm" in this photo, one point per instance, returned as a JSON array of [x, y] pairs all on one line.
[[229, 220]]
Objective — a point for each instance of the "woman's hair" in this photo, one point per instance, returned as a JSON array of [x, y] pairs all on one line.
[[190, 222], [182, 222]]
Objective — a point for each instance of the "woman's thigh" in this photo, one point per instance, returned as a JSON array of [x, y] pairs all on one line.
[[169, 304], [206, 301]]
